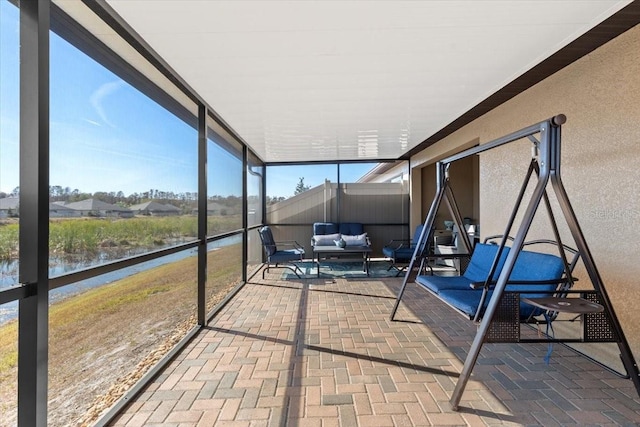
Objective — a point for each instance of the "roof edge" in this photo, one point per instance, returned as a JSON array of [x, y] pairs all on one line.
[[617, 24]]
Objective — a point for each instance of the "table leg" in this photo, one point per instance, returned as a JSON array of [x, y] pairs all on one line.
[[365, 262]]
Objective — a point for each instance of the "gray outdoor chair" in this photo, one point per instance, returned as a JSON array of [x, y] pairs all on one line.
[[280, 258]]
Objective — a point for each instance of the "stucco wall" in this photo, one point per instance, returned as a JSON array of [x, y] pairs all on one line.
[[464, 183], [600, 94]]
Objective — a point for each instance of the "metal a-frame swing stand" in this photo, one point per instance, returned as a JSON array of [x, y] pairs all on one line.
[[546, 164]]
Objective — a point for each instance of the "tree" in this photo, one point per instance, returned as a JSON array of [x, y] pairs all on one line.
[[56, 192], [271, 200], [301, 188]]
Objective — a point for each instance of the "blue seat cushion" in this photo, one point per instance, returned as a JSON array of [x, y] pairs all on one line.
[[351, 228], [346, 228], [468, 301], [286, 256], [532, 266], [481, 260], [404, 252], [401, 254], [325, 228], [438, 283], [477, 271], [529, 266], [267, 240], [389, 252], [416, 234]]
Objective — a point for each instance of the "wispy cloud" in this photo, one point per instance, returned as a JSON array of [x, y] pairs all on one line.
[[92, 122], [98, 97]]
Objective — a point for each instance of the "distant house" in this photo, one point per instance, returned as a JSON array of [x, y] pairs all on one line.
[[9, 206], [154, 209], [60, 210], [93, 207]]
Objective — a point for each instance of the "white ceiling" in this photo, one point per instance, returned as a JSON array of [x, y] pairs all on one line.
[[349, 80]]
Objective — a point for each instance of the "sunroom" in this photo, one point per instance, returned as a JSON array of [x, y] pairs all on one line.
[[226, 117]]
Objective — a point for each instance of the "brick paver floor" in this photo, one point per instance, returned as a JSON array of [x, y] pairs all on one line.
[[323, 352]]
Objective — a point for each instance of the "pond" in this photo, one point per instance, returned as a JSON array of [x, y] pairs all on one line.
[[59, 266]]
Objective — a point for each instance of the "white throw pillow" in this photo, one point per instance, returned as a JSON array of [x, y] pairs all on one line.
[[325, 239], [358, 240]]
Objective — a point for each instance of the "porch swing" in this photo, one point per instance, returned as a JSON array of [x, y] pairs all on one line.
[[512, 289]]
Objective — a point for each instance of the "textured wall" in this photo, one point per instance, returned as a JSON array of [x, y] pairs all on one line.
[[464, 180], [600, 94]]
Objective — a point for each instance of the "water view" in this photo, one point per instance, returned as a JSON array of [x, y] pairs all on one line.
[[66, 264]]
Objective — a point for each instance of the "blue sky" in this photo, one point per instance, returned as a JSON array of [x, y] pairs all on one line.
[[9, 90], [282, 180], [107, 136]]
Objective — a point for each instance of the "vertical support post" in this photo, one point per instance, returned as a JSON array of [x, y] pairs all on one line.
[[202, 214], [263, 195], [422, 244], [338, 194], [33, 320], [245, 211], [406, 186], [545, 154], [324, 204], [454, 210]]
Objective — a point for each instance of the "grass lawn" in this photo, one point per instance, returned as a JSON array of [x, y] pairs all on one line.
[[103, 340]]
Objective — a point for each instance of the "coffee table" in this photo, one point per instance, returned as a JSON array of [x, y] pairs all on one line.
[[325, 252]]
